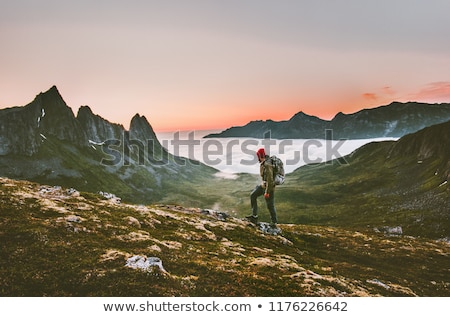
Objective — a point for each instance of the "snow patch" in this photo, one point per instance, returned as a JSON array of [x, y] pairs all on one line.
[[96, 143], [39, 118]]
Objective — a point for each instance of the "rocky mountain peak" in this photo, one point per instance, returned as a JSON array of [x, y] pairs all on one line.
[[23, 129], [141, 129], [57, 119], [98, 129]]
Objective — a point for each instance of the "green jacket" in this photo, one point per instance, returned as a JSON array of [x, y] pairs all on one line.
[[266, 172]]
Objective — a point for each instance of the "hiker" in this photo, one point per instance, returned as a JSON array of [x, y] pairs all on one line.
[[267, 188]]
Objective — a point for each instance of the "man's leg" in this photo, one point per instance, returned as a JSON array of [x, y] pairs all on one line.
[[258, 191], [270, 202]]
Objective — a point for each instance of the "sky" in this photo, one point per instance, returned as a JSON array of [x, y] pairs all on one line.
[[193, 65]]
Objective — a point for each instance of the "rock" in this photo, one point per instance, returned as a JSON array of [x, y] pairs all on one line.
[[267, 229], [73, 192], [144, 263], [378, 283], [133, 221], [222, 216], [390, 231], [73, 218], [111, 197]]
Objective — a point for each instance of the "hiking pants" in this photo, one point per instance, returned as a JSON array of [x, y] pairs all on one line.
[[270, 202]]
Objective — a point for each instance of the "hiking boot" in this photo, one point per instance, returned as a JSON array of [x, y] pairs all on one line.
[[253, 219], [273, 225]]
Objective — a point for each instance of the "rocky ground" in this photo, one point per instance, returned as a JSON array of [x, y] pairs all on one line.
[[62, 242]]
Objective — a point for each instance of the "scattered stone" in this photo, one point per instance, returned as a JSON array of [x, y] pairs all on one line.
[[390, 231], [144, 263], [111, 197], [379, 283], [73, 192], [222, 216], [268, 229]]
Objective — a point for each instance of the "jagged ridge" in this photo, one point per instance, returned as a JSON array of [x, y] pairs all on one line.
[[23, 128], [43, 141], [394, 120]]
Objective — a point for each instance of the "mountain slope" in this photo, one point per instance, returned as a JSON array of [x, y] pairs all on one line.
[[402, 183], [61, 242], [43, 141], [394, 120]]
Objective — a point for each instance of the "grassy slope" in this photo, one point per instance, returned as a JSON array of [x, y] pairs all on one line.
[[56, 244]]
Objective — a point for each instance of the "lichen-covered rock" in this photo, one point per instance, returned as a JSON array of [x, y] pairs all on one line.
[[144, 263]]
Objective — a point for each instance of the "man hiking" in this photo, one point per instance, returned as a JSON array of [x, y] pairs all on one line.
[[267, 188]]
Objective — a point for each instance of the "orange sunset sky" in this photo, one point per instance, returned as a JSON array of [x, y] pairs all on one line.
[[189, 65]]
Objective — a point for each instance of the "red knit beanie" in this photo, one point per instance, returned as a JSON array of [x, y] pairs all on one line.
[[261, 153]]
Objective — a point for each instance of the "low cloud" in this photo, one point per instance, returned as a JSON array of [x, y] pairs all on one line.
[[382, 94], [370, 96], [434, 92]]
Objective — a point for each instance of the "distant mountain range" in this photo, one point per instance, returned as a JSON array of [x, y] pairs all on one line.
[[44, 141], [394, 120]]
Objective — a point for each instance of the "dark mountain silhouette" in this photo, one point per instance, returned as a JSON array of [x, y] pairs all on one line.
[[394, 120], [22, 128]]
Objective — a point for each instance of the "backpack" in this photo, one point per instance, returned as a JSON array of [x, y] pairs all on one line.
[[278, 170]]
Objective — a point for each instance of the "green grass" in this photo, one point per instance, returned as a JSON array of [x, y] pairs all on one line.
[[43, 254]]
